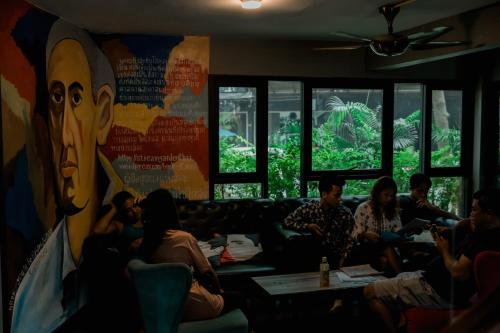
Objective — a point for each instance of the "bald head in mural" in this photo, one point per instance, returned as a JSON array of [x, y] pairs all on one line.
[[81, 89]]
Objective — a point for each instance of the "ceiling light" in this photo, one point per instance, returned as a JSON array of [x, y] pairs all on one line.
[[250, 4]]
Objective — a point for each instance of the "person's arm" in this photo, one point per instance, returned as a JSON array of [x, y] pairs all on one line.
[[362, 218], [299, 220], [105, 224], [436, 210], [349, 225], [203, 271], [459, 269]]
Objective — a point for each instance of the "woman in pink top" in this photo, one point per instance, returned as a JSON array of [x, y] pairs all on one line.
[[165, 242]]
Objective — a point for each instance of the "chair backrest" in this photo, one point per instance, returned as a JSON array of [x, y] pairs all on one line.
[[487, 273], [162, 290]]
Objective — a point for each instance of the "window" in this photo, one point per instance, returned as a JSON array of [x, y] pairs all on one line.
[[237, 191], [446, 128], [407, 138], [284, 138], [346, 129], [237, 123], [448, 194], [275, 138]]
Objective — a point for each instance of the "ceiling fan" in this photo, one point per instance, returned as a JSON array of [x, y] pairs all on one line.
[[394, 44]]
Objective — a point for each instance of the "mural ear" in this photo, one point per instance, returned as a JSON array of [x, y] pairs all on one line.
[[105, 109]]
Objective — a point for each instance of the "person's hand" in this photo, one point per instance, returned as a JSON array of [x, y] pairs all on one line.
[[442, 243], [315, 229], [371, 236], [113, 209]]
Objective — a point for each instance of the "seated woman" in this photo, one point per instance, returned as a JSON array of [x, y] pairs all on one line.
[[374, 217], [164, 242], [124, 219]]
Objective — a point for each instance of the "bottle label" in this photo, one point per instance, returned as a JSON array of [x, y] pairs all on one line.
[[324, 277]]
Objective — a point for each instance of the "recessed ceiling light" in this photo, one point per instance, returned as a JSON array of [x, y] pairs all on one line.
[[250, 4]]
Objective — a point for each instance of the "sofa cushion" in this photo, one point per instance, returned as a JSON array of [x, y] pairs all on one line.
[[231, 322]]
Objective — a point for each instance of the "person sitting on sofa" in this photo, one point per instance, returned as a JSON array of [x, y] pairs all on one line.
[[416, 205], [327, 219], [123, 219], [447, 281], [164, 242], [375, 216]]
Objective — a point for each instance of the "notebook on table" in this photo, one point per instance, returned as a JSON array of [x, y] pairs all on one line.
[[360, 271]]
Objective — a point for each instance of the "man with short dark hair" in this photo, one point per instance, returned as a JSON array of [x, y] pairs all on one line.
[[448, 280], [327, 219], [416, 205]]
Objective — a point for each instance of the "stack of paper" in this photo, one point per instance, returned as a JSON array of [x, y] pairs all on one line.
[[360, 271], [343, 277]]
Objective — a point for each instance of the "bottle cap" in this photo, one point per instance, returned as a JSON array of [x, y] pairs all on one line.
[[323, 259]]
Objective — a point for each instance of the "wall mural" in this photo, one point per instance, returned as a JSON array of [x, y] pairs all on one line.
[[83, 117]]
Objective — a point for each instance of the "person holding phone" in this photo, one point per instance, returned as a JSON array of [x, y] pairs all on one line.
[[447, 281]]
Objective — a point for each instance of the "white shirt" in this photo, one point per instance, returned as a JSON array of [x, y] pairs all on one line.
[[37, 304], [365, 221]]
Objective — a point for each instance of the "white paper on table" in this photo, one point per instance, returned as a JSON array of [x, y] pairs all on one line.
[[343, 277]]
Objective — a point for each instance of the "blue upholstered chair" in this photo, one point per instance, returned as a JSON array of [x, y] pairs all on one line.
[[162, 290]]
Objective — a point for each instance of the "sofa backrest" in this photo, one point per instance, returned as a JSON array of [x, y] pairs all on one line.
[[203, 218]]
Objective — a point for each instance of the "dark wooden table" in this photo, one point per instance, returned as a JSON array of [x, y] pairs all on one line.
[[296, 301], [304, 283]]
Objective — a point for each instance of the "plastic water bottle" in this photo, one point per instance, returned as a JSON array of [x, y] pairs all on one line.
[[324, 273]]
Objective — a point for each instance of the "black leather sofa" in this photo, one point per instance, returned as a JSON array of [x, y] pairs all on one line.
[[284, 250]]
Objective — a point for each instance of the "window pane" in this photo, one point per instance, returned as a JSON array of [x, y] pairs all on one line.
[[352, 187], [447, 194], [312, 189], [284, 128], [446, 128], [237, 191], [358, 187], [346, 131], [408, 102], [237, 122]]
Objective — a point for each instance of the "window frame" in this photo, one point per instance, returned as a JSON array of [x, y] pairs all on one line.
[[386, 125], [261, 83], [260, 174]]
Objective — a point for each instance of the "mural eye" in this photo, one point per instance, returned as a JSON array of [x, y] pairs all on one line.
[[76, 99], [57, 98]]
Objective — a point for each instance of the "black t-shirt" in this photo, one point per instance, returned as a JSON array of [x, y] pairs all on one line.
[[410, 210], [459, 292]]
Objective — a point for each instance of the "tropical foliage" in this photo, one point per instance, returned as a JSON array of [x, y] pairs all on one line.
[[349, 138]]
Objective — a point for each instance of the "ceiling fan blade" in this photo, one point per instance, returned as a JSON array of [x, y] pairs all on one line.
[[342, 48], [401, 3], [437, 45], [427, 36], [351, 36]]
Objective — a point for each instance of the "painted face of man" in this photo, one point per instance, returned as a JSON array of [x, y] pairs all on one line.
[[73, 125]]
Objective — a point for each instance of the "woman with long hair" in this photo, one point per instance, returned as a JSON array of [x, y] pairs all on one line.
[[165, 242], [379, 214]]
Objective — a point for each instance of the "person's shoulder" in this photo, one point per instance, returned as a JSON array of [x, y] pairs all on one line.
[[313, 204], [180, 234], [344, 209], [363, 205]]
